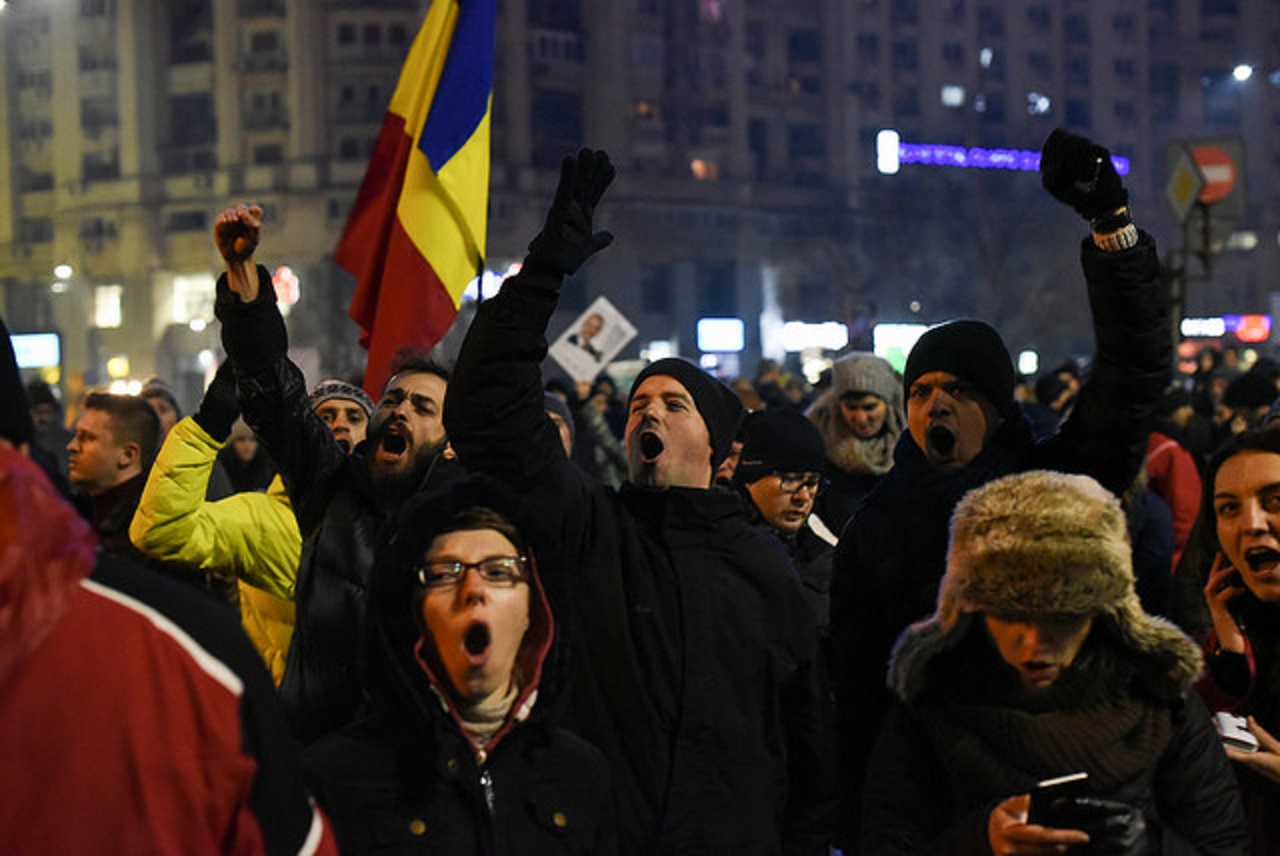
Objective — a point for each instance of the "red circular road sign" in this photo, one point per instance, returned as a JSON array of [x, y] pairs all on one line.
[[1219, 172]]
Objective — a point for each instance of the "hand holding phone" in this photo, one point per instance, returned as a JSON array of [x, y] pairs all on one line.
[[1051, 800]]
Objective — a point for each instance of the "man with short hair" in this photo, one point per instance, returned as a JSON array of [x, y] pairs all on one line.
[[343, 503], [964, 428], [780, 472], [109, 455], [698, 673]]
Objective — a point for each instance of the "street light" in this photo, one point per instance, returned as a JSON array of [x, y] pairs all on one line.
[[1242, 72]]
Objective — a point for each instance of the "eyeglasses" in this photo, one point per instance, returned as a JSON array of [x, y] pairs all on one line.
[[498, 572], [792, 482]]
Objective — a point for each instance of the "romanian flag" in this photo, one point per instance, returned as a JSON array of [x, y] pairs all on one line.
[[415, 236]]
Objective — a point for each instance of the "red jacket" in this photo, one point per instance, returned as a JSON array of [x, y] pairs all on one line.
[[1174, 476], [134, 714]]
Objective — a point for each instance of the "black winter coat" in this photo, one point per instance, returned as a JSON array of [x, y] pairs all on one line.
[[892, 554], [698, 672], [340, 515]]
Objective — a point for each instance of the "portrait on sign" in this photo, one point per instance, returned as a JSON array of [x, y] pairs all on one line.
[[592, 340]]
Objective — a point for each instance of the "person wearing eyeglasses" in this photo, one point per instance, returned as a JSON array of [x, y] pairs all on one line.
[[780, 473], [460, 752]]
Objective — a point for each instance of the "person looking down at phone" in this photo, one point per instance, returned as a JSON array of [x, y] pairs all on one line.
[[1039, 662], [1242, 651]]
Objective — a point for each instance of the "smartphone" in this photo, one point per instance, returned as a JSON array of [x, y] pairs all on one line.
[[1051, 800]]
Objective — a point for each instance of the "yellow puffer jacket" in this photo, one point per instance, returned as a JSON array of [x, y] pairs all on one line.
[[253, 536]]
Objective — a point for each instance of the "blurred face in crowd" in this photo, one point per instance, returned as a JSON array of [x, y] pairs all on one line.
[[165, 412], [1246, 508], [44, 415], [1040, 649], [346, 419], [667, 442], [477, 624], [245, 447], [97, 460], [864, 413], [785, 499], [950, 421], [566, 434], [407, 429]]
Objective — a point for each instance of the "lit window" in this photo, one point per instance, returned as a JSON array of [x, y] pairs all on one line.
[[986, 56], [952, 96], [704, 170], [1038, 104], [108, 301], [192, 298]]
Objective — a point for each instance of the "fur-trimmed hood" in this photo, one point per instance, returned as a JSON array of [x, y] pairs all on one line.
[[1043, 544]]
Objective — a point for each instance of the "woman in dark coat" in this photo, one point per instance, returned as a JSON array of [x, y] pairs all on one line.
[[460, 753], [1039, 663]]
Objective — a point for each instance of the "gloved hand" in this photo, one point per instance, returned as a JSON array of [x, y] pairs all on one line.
[[1113, 827], [219, 407], [1079, 172], [566, 239]]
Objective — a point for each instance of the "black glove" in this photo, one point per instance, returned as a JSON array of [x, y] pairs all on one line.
[[219, 407], [566, 239], [1113, 827], [1079, 172]]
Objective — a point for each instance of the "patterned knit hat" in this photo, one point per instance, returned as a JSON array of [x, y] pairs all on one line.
[[330, 389], [862, 372]]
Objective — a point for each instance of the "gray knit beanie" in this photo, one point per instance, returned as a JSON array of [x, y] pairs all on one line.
[[862, 372]]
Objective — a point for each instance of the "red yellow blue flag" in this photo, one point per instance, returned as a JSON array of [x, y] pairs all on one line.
[[416, 234]]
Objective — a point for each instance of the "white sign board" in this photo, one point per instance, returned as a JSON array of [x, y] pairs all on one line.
[[592, 341]]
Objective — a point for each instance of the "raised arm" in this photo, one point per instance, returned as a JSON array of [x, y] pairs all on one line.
[[271, 389], [1105, 436], [494, 411]]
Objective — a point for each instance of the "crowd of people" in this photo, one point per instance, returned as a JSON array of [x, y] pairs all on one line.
[[494, 611]]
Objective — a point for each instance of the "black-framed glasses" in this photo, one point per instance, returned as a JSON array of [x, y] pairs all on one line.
[[792, 482], [498, 572]]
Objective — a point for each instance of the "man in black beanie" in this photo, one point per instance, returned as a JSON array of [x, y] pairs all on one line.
[[965, 429], [780, 474], [697, 670]]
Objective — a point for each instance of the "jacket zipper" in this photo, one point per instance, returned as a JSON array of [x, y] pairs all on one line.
[[486, 783]]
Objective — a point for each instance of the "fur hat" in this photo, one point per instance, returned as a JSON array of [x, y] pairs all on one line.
[[778, 440], [972, 351], [719, 406], [1044, 544], [862, 372], [326, 390]]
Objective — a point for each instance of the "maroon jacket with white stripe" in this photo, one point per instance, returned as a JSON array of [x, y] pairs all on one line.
[[135, 716]]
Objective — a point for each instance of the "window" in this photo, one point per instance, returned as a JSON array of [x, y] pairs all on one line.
[[905, 55], [1038, 16], [990, 21], [656, 289], [346, 34], [1124, 68], [905, 12], [1076, 30], [1078, 71], [953, 53], [804, 46], [270, 154], [372, 34], [108, 301], [264, 41], [716, 289], [805, 141], [35, 230], [1078, 114], [1038, 61]]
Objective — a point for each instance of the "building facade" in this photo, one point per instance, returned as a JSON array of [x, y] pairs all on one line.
[[744, 132]]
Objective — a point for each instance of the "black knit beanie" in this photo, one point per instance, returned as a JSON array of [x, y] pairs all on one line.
[[15, 412], [719, 406], [972, 351], [778, 440]]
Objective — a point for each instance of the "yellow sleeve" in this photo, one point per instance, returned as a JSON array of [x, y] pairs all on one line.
[[251, 535]]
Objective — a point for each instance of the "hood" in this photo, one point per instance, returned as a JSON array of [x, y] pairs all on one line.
[[46, 549], [409, 678]]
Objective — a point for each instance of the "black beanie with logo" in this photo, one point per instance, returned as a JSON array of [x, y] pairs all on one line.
[[972, 351]]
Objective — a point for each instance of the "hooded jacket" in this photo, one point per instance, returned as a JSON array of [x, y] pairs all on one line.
[[892, 554], [697, 666], [965, 734], [134, 715], [409, 778]]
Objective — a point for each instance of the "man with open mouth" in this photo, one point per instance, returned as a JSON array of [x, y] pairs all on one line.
[[965, 429], [698, 673], [342, 502]]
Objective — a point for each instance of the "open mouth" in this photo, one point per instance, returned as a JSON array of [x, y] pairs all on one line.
[[393, 445], [1262, 560], [651, 447], [941, 440], [345, 446], [476, 639]]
